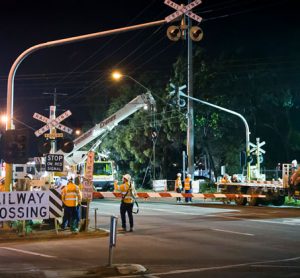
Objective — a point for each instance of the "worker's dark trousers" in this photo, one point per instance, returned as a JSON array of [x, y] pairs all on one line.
[[125, 207], [71, 217], [178, 190], [188, 199]]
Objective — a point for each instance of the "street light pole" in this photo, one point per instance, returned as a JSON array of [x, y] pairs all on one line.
[[234, 113], [137, 82], [23, 55], [117, 75]]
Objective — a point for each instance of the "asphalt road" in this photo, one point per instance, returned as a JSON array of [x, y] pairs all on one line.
[[170, 240]]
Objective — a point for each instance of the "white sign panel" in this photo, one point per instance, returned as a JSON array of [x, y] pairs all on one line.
[[87, 190], [24, 205], [181, 9], [52, 123]]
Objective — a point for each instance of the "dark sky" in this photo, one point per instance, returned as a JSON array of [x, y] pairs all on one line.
[[81, 69]]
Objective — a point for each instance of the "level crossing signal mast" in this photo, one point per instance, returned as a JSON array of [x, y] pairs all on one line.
[[15, 146], [176, 33]]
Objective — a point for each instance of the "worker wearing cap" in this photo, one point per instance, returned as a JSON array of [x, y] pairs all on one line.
[[128, 193], [178, 187], [188, 187], [71, 196]]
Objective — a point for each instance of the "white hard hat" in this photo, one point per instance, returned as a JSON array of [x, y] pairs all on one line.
[[294, 162], [178, 174], [188, 175], [127, 177]]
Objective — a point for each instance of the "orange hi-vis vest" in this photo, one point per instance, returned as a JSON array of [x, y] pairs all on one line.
[[178, 183], [71, 195], [187, 184], [124, 188]]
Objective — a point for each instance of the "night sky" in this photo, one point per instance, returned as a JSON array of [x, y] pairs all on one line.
[[82, 69]]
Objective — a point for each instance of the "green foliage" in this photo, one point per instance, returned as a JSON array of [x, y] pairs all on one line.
[[257, 89]]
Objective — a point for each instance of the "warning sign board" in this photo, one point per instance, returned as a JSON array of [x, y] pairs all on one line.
[[87, 190], [89, 168], [24, 205], [54, 163]]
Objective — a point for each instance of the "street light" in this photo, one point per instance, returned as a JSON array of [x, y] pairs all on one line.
[[117, 75], [234, 113], [4, 119], [77, 132]]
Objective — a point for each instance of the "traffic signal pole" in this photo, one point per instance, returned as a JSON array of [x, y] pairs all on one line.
[[234, 113], [23, 55]]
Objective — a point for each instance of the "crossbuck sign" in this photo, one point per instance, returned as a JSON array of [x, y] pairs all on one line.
[[181, 9], [52, 123]]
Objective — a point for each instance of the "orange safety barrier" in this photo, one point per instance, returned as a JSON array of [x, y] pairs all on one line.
[[146, 195]]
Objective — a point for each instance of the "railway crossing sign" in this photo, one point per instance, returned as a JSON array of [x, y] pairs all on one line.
[[181, 9], [52, 123], [257, 148], [178, 91], [175, 89]]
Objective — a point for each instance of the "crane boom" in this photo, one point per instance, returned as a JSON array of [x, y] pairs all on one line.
[[108, 124]]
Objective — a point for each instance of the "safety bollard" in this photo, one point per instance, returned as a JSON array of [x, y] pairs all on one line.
[[96, 218], [112, 237]]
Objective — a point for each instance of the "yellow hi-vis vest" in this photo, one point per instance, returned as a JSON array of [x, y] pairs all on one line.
[[71, 195], [124, 188], [187, 184], [178, 183]]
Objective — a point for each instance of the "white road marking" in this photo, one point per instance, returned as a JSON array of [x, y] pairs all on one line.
[[28, 252], [275, 266], [282, 221], [213, 267], [232, 232]]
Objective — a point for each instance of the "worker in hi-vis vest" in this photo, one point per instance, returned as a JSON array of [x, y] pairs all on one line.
[[188, 187], [178, 187], [71, 196], [128, 194]]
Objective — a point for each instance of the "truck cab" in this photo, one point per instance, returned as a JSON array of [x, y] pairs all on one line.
[[103, 175]]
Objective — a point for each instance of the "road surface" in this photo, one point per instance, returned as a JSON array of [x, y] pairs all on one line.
[[172, 240]]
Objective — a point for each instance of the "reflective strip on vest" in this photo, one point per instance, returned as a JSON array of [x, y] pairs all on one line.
[[71, 195]]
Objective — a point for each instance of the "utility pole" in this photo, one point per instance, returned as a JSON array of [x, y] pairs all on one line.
[[190, 33], [190, 127]]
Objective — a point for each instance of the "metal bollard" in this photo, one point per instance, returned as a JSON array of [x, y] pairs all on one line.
[[112, 237], [96, 218]]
